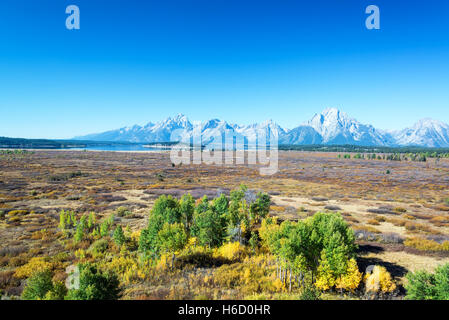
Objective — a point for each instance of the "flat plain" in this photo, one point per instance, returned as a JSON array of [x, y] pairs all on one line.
[[393, 206]]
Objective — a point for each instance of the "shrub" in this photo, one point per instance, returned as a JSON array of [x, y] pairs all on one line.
[[14, 213], [36, 264], [368, 229], [419, 227], [250, 276], [122, 212], [99, 246], [309, 292], [232, 251], [426, 245]]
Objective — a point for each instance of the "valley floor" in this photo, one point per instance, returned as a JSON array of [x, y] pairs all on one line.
[[398, 209]]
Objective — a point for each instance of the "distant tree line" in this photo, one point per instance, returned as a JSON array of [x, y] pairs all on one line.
[[428, 152], [418, 157]]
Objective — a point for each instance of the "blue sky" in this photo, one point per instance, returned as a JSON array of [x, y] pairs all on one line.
[[243, 61]]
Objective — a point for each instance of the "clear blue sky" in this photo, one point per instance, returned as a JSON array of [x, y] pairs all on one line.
[[243, 61]]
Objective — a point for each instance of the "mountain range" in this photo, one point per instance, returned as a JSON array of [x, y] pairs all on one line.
[[331, 126]]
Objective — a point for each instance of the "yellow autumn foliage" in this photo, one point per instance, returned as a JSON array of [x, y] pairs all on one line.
[[268, 227], [36, 264], [134, 237], [232, 251], [164, 262], [325, 278], [253, 275], [128, 268], [351, 280], [379, 281]]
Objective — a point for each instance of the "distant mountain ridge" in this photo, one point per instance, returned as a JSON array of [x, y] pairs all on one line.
[[331, 126]]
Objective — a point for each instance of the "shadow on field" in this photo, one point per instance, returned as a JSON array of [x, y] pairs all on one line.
[[395, 269], [369, 248]]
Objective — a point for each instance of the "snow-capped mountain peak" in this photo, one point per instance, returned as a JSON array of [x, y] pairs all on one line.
[[336, 127], [425, 132], [331, 126]]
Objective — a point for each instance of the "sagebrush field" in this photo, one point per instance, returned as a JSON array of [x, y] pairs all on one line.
[[248, 239]]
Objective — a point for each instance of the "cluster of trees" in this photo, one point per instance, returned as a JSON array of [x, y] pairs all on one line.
[[81, 228], [419, 157], [322, 247], [211, 222], [92, 284], [423, 285], [15, 152], [428, 152], [315, 254]]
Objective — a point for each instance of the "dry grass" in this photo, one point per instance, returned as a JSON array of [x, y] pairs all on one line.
[[35, 189]]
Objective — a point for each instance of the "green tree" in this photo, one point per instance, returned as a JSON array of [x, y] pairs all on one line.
[[442, 282], [172, 237], [119, 236], [237, 201], [260, 208], [187, 209], [148, 240], [80, 229], [62, 220], [58, 292], [221, 205], [253, 241], [168, 208], [420, 286], [106, 225], [203, 205], [322, 239], [209, 228], [423, 285], [92, 221], [38, 285], [95, 285]]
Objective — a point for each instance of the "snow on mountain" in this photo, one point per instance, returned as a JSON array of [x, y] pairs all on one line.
[[252, 131], [212, 133], [301, 135], [159, 132], [331, 126], [336, 127], [426, 132]]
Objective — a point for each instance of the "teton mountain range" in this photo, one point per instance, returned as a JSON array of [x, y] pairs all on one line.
[[331, 126]]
